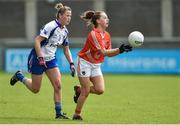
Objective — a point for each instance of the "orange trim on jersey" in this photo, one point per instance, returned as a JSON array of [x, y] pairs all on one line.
[[95, 40]]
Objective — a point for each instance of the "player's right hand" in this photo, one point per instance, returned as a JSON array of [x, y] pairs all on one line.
[[42, 62]]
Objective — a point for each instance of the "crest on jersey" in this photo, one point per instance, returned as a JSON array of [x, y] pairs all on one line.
[[83, 72], [106, 44], [45, 32]]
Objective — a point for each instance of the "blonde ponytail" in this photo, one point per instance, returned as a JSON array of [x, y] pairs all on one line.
[[58, 6], [61, 9]]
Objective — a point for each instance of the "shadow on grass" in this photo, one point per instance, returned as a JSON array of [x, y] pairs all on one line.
[[15, 119]]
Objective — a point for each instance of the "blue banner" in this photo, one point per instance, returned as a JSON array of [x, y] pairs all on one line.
[[138, 61], [16, 59], [144, 61]]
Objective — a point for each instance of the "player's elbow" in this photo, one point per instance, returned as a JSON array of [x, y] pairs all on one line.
[[103, 52], [35, 91], [66, 50], [37, 39]]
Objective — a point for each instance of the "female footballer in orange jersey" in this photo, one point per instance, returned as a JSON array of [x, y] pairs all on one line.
[[97, 46]]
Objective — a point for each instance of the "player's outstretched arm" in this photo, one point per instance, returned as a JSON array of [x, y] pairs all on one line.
[[116, 51], [109, 52]]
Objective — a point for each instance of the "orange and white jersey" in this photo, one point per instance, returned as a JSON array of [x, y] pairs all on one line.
[[95, 41]]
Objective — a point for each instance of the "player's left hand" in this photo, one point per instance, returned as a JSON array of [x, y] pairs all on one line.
[[42, 62], [72, 68], [125, 48]]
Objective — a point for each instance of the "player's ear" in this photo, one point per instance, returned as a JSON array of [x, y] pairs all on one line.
[[98, 21], [60, 16]]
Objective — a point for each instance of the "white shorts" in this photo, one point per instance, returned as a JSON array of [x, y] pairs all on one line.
[[87, 69]]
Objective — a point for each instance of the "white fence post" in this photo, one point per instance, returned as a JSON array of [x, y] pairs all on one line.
[[167, 19], [30, 18]]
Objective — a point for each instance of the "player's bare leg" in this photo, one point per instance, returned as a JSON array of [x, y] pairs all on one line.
[[97, 88], [55, 78], [33, 84], [85, 89], [98, 85]]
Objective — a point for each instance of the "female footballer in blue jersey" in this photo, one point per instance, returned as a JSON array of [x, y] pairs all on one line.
[[43, 59]]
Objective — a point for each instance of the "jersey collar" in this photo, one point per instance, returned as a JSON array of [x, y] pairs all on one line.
[[101, 33], [58, 23], [97, 30]]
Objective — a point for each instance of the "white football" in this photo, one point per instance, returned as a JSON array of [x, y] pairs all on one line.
[[136, 39]]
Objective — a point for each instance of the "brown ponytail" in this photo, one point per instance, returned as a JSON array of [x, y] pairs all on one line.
[[91, 16]]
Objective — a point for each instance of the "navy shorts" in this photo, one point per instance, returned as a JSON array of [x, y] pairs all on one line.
[[35, 68]]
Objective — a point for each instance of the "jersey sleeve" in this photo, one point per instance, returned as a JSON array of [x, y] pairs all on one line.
[[66, 42], [110, 45], [46, 30], [66, 39]]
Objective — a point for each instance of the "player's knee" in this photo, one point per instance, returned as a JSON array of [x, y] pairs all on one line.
[[99, 91], [36, 90], [57, 86], [85, 92]]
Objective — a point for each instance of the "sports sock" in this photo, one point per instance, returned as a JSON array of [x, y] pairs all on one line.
[[77, 111], [24, 80], [20, 77], [58, 108]]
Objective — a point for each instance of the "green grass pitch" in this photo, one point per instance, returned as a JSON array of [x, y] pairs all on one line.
[[127, 99]]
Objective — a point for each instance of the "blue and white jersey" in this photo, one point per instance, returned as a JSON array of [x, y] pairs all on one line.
[[55, 36]]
